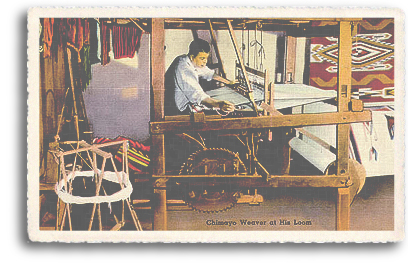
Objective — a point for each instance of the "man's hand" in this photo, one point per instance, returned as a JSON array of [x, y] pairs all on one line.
[[224, 81], [226, 106], [223, 105]]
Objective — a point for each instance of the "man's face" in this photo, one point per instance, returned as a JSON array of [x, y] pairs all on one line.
[[200, 60]]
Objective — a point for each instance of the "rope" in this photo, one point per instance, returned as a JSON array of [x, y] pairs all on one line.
[[61, 190], [260, 52]]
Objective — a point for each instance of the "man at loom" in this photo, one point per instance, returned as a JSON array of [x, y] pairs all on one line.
[[183, 92]]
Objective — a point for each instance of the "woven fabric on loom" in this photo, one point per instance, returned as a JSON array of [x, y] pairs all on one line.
[[372, 61], [138, 154]]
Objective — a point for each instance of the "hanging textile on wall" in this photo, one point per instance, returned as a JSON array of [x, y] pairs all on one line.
[[372, 61], [86, 31], [78, 38], [105, 42], [125, 40], [75, 34], [48, 33]]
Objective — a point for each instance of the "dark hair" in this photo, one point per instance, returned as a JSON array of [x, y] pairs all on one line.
[[197, 46]]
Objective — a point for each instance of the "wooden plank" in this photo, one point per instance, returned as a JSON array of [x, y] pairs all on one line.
[[158, 154], [286, 152], [217, 51], [179, 208], [316, 139], [307, 181], [208, 176], [290, 59], [344, 95], [343, 139], [343, 209], [138, 25], [187, 118], [157, 66], [332, 181], [160, 210], [267, 95], [291, 120], [344, 70], [117, 227], [168, 201], [142, 207], [47, 186], [47, 228], [140, 201], [51, 172]]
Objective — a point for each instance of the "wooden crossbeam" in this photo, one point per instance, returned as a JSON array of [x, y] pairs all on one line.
[[208, 176], [326, 181], [290, 120]]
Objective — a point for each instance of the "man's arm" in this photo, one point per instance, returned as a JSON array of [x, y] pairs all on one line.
[[223, 80], [221, 104]]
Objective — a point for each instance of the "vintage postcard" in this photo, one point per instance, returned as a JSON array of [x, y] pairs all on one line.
[[215, 124]]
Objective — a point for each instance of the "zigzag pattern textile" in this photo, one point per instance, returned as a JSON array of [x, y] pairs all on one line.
[[372, 61], [138, 154]]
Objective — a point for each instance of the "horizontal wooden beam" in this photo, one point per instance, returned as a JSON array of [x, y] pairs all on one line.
[[275, 181], [319, 181], [47, 186], [291, 120], [207, 176], [188, 118]]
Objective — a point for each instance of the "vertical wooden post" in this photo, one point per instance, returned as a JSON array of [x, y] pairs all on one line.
[[158, 154], [289, 78], [157, 67], [290, 59], [266, 90], [344, 66], [344, 95], [160, 209], [343, 209], [343, 130], [157, 84]]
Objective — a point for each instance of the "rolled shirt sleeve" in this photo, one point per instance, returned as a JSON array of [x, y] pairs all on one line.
[[206, 73]]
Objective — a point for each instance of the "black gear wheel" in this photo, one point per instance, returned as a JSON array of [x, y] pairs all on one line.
[[212, 196]]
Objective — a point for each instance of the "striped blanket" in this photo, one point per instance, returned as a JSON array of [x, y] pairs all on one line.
[[138, 154]]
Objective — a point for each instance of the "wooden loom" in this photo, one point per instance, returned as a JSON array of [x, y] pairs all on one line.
[[343, 177]]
